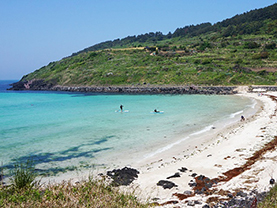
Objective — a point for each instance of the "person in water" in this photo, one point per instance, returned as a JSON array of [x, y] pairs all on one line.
[[121, 108], [156, 111]]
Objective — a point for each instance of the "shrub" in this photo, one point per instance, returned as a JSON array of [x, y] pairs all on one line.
[[251, 45], [239, 61], [23, 176], [262, 73], [270, 46], [204, 45], [262, 55], [206, 61], [256, 56]]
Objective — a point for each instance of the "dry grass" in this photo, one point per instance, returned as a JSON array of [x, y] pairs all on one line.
[[91, 193]]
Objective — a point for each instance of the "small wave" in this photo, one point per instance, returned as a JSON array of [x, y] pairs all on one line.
[[165, 148], [254, 102], [236, 113], [207, 128]]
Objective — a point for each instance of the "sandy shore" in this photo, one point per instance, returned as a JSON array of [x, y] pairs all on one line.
[[233, 157], [236, 158]]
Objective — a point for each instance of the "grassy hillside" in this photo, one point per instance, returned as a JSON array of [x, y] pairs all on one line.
[[204, 60], [237, 51]]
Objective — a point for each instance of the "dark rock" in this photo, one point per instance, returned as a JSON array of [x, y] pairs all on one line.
[[200, 191], [183, 169], [124, 176], [271, 181], [176, 175], [254, 192], [242, 199], [191, 203], [206, 206], [201, 178], [197, 202], [155, 199], [166, 184], [169, 202], [194, 174], [17, 86], [188, 193], [241, 194], [232, 202], [209, 185], [192, 184]]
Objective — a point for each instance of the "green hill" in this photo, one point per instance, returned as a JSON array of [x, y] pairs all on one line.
[[237, 51]]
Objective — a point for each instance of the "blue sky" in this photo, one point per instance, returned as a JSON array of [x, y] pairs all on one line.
[[36, 32]]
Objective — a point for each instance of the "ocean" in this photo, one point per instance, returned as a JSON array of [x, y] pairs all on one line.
[[61, 131]]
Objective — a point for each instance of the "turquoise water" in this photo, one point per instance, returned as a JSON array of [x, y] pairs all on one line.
[[64, 131]]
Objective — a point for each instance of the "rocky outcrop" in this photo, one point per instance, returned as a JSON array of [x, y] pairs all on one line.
[[149, 90], [133, 89], [34, 84], [123, 177]]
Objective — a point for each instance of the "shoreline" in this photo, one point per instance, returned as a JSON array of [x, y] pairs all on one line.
[[197, 138], [154, 151], [211, 157], [43, 85]]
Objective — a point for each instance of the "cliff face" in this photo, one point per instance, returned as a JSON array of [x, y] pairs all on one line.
[[35, 84]]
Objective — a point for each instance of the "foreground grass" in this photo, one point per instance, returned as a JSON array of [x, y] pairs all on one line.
[[92, 193], [270, 200], [26, 191]]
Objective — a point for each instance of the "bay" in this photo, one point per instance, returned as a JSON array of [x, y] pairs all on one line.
[[60, 132]]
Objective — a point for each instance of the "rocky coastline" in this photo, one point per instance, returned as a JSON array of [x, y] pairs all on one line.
[[41, 85]]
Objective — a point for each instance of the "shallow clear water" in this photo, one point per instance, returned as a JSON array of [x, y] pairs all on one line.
[[60, 130]]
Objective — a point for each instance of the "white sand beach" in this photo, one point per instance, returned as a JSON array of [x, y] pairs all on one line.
[[236, 158], [212, 156]]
